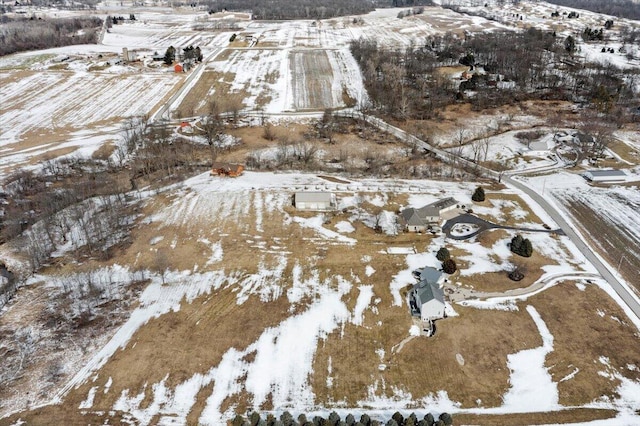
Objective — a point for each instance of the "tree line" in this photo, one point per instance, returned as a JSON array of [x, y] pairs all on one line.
[[409, 83], [621, 8], [334, 419], [19, 35], [307, 9]]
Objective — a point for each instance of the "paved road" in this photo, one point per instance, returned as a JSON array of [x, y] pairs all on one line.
[[620, 289]]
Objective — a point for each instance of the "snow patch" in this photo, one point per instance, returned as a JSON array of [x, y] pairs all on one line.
[[364, 298], [532, 387]]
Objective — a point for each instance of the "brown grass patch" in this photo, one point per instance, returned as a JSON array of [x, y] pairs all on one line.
[[224, 55], [609, 240], [625, 151], [180, 344], [580, 344], [507, 218], [210, 84], [424, 366], [104, 152], [575, 415]]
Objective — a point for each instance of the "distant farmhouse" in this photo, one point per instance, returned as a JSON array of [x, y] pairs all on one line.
[[426, 299], [422, 219], [605, 176], [315, 201]]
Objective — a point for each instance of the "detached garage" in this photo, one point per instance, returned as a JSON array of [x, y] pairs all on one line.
[[315, 201], [606, 176]]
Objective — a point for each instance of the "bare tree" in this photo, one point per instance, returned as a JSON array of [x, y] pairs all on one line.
[[161, 264], [484, 146], [212, 126], [268, 133], [305, 152]]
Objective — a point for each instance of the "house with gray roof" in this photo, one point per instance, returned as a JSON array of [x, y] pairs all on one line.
[[315, 201], [426, 299], [420, 220]]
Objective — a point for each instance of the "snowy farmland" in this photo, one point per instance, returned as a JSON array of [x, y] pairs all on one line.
[[608, 216], [280, 80], [246, 273], [227, 299]]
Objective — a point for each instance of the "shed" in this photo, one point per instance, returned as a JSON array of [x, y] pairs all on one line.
[[315, 201], [178, 68], [607, 175]]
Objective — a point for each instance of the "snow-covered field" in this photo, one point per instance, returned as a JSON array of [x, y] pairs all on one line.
[[242, 239], [617, 207], [80, 100], [278, 366], [507, 150]]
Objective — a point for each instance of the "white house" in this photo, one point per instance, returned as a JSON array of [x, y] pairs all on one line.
[[418, 220], [606, 176], [315, 201], [426, 299]]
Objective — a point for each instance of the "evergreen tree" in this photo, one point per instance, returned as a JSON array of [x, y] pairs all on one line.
[[429, 419], [449, 266], [521, 246], [365, 419], [443, 254], [527, 249], [287, 419], [238, 420], [334, 418], [446, 418], [478, 195], [170, 55], [570, 44], [399, 418]]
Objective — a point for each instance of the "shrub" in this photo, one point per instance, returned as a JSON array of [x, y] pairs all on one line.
[[287, 419], [399, 418], [446, 418], [443, 254], [429, 419], [334, 418], [254, 418], [478, 195], [449, 266]]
